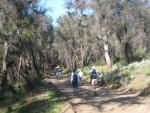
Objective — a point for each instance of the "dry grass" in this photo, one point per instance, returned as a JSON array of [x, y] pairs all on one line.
[[103, 69], [139, 82]]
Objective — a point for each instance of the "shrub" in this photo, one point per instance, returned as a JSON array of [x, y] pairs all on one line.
[[86, 73], [148, 82], [66, 71], [140, 54], [146, 70]]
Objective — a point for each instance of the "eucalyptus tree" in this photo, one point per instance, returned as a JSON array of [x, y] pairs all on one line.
[[129, 28], [74, 31], [7, 30], [26, 35], [116, 23]]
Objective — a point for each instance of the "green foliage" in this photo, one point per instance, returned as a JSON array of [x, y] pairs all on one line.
[[47, 102], [148, 82], [28, 28], [99, 62], [11, 98], [102, 69], [135, 74], [52, 104], [86, 73], [126, 78], [26, 33], [147, 56], [66, 71], [140, 53], [146, 70]]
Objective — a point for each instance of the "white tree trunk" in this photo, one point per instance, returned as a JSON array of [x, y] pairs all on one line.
[[107, 57], [5, 56]]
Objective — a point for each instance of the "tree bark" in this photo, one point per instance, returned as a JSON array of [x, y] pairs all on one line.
[[5, 56], [36, 67], [4, 69], [82, 56], [107, 57], [19, 67]]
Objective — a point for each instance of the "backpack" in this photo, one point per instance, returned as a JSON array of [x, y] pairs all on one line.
[[94, 74], [75, 78]]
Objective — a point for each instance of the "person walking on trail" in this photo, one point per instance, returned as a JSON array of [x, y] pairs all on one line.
[[75, 81], [94, 78], [80, 73], [57, 72]]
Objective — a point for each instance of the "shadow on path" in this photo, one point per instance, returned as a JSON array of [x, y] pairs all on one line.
[[105, 96]]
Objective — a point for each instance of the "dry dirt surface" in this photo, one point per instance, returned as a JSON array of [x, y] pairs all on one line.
[[106, 101]]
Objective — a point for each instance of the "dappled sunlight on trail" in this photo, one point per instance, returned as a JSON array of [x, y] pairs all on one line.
[[106, 101]]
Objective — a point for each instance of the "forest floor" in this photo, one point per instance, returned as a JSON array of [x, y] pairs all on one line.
[[45, 98], [106, 101]]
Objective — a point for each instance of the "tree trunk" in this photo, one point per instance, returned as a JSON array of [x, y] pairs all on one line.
[[82, 56], [107, 57], [19, 67], [5, 56], [46, 64], [4, 69], [36, 67]]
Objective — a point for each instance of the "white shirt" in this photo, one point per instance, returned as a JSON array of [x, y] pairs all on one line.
[[81, 74]]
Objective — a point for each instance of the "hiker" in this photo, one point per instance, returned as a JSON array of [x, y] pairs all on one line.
[[94, 78], [57, 72], [75, 81], [80, 73]]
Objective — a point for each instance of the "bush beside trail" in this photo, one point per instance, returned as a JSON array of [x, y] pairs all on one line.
[[119, 75]]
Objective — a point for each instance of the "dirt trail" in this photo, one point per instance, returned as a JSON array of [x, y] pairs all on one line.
[[106, 101]]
